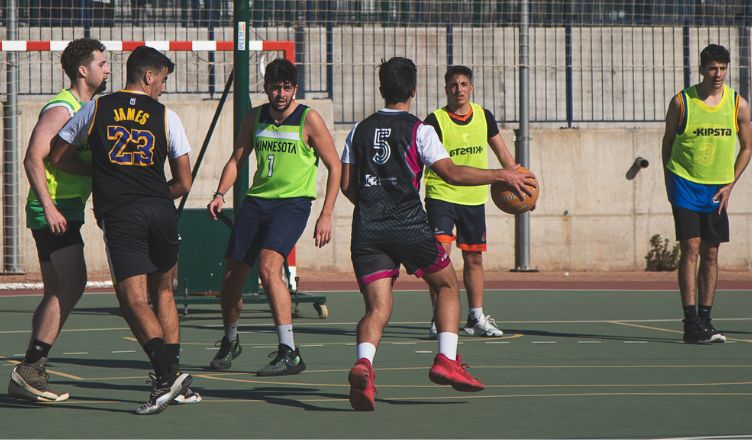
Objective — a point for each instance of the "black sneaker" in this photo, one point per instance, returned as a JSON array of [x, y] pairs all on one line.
[[712, 334], [162, 393], [286, 361], [696, 333], [227, 352]]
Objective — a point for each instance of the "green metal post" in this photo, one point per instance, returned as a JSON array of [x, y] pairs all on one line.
[[241, 98]]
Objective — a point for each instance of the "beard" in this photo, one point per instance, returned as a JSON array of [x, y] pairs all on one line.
[[102, 87], [284, 108]]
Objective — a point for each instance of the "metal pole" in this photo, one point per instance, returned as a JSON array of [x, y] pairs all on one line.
[[10, 152], [522, 144], [241, 100]]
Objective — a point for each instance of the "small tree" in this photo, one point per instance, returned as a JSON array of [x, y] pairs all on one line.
[[659, 257]]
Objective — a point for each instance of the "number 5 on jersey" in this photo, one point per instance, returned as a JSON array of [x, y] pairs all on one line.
[[381, 148]]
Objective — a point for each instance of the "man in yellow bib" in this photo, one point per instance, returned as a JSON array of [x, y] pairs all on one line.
[[700, 168], [55, 214], [465, 129]]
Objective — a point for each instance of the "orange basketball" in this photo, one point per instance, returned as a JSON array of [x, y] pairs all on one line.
[[508, 201]]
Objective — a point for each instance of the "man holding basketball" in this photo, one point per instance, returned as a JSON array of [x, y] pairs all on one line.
[[383, 161], [465, 128], [700, 171]]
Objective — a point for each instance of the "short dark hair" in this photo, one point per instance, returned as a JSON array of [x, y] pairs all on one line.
[[714, 53], [397, 78], [281, 70], [144, 58], [79, 53], [458, 70]]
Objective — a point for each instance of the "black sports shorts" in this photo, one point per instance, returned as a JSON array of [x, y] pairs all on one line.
[[709, 226], [47, 242], [375, 262], [141, 238]]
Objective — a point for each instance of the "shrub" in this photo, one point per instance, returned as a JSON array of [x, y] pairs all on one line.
[[659, 257]]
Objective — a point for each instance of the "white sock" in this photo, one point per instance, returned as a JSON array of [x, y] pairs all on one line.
[[366, 350], [285, 335], [477, 313], [231, 331], [448, 345]]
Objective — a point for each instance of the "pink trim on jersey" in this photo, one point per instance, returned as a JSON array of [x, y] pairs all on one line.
[[442, 261], [413, 158], [380, 275]]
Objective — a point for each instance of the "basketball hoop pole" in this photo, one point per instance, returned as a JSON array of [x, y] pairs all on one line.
[[522, 145], [241, 98]]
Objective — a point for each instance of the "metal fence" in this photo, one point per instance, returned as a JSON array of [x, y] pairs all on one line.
[[591, 61]]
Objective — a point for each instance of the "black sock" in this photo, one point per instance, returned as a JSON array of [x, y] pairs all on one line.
[[37, 350], [160, 359], [704, 312], [690, 313], [174, 351]]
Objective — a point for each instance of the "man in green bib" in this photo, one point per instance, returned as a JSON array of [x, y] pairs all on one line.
[[703, 123], [466, 129], [288, 140], [55, 214]]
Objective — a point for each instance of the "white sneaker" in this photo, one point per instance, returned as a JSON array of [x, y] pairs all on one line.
[[432, 333], [482, 327]]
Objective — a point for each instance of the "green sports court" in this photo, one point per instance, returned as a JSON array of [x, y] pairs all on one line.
[[572, 364]]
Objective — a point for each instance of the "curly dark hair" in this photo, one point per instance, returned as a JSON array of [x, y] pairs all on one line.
[[79, 53]]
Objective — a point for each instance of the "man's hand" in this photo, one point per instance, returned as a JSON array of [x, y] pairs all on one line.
[[722, 196], [323, 232], [518, 180], [56, 221], [215, 206]]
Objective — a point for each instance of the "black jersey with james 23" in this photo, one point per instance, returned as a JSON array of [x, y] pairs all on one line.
[[128, 140]]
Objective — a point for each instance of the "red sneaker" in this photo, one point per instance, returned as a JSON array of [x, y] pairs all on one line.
[[454, 373], [362, 386]]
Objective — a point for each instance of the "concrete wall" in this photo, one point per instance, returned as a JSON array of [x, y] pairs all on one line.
[[589, 216]]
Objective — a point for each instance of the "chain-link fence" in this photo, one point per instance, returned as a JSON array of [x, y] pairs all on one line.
[[591, 61]]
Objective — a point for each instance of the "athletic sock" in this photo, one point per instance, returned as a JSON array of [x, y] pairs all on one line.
[[231, 331], [174, 351], [37, 350], [690, 313], [285, 335], [704, 312], [366, 350], [448, 345], [476, 313], [160, 359]]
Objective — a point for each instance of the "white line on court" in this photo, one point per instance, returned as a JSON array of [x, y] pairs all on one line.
[[123, 351], [544, 342], [423, 351], [589, 342], [77, 352]]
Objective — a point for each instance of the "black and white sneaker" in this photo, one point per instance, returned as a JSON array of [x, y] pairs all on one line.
[[711, 333], [701, 331], [164, 393]]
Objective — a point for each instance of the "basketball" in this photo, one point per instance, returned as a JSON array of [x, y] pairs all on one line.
[[508, 201]]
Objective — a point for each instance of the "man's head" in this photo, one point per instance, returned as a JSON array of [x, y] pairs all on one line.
[[149, 68], [397, 78], [280, 83], [84, 59], [458, 86], [714, 61]]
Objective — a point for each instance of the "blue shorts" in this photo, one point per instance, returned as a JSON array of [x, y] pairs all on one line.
[[470, 222], [274, 224]]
